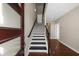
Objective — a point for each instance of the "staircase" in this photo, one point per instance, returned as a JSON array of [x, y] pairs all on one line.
[[38, 40]]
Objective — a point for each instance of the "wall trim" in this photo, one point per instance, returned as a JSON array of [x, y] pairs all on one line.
[[22, 27], [69, 46], [18, 53], [8, 39], [16, 7]]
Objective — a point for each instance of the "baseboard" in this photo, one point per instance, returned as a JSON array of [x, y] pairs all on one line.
[[27, 53], [69, 46], [28, 47], [18, 52]]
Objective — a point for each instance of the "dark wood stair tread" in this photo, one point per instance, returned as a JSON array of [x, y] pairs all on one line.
[[38, 36], [38, 39], [38, 43], [37, 48]]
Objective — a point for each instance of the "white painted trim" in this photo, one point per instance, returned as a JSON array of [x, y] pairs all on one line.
[[38, 51], [38, 37], [27, 52], [69, 46], [38, 41], [38, 45]]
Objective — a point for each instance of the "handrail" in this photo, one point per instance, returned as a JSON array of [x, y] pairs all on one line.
[[32, 28], [47, 33]]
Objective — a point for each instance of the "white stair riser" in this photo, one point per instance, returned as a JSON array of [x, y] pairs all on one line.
[[38, 37], [38, 41], [37, 50], [38, 45]]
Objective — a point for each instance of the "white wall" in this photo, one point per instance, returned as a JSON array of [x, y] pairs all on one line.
[[69, 29], [9, 17], [10, 48], [30, 17]]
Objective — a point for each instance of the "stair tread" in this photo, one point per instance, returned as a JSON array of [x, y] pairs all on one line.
[[38, 43], [37, 48], [38, 39], [38, 36]]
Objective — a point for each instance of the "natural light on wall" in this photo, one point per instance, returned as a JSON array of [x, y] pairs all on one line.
[[1, 50], [1, 14], [1, 22]]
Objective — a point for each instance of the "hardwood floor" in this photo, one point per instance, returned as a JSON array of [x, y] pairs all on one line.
[[57, 49], [38, 54]]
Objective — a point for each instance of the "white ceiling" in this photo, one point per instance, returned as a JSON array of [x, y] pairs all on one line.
[[56, 10]]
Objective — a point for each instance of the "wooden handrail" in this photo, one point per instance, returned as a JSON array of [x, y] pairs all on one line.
[[49, 49], [32, 28], [47, 30]]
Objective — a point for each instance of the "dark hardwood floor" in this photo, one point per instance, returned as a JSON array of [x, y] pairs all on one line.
[[37, 54], [57, 49]]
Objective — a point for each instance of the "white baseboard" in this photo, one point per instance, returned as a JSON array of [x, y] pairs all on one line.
[[27, 53], [69, 46], [27, 50]]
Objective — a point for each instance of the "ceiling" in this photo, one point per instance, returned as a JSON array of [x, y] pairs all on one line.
[[56, 10]]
